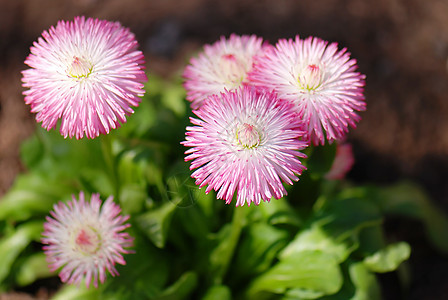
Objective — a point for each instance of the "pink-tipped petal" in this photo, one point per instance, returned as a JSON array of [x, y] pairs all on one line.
[[245, 142], [319, 79], [85, 239], [87, 73]]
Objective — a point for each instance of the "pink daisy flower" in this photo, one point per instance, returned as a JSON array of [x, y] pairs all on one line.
[[247, 142], [87, 73], [85, 239], [221, 66], [319, 79]]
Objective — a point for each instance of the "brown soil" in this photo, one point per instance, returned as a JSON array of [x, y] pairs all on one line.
[[401, 45]]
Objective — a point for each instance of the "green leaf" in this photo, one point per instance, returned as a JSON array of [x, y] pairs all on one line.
[[409, 200], [155, 223], [12, 245], [295, 294], [280, 212], [389, 258], [174, 98], [181, 289], [347, 213], [143, 119], [31, 151], [314, 272], [259, 246], [365, 282], [315, 238], [218, 292], [359, 284], [32, 194], [97, 181], [61, 157], [132, 198], [145, 274], [32, 268], [73, 292]]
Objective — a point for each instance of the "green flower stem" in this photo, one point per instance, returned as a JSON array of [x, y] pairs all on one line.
[[106, 147], [223, 254]]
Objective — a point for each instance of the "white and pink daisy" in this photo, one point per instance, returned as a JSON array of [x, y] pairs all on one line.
[[320, 79], [88, 73], [248, 142], [221, 66], [85, 239]]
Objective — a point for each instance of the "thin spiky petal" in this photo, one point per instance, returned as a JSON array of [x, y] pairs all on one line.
[[221, 66], [319, 79], [87, 73], [84, 239], [246, 142]]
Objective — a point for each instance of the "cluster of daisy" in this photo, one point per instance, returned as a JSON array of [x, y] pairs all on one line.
[[258, 105], [88, 74]]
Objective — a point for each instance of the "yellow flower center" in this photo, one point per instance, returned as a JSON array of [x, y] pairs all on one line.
[[80, 68], [233, 68], [311, 77], [248, 136], [87, 241]]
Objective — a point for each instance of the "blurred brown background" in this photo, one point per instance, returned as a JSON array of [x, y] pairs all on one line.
[[401, 45]]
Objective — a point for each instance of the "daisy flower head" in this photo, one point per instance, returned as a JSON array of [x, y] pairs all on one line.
[[321, 80], [343, 162], [85, 239], [245, 141], [222, 65], [88, 73]]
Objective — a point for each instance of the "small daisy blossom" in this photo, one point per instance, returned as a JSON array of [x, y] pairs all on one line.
[[248, 142], [87, 73], [85, 239], [222, 65], [321, 80], [343, 162]]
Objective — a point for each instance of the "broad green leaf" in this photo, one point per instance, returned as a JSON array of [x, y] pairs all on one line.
[[218, 292], [61, 157], [389, 258], [143, 119], [315, 272], [348, 213], [365, 282], [97, 180], [31, 151], [32, 194], [301, 294], [359, 284], [155, 223], [181, 289], [73, 292], [279, 212], [32, 268], [315, 238], [259, 246], [132, 198], [12, 245], [174, 99], [145, 274]]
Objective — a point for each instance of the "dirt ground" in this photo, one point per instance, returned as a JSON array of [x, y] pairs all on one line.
[[401, 46]]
